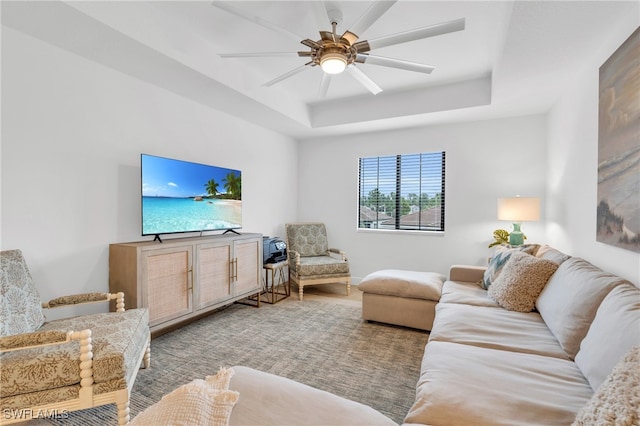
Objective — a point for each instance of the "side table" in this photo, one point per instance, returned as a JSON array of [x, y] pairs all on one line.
[[280, 287]]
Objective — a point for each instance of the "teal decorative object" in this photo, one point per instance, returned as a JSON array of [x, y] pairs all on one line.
[[516, 237]]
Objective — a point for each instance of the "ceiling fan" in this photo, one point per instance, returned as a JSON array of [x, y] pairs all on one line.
[[335, 53]]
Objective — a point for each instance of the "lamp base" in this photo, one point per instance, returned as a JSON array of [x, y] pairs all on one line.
[[516, 237]]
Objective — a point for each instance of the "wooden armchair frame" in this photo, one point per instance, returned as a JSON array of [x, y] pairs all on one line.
[[316, 266], [86, 397]]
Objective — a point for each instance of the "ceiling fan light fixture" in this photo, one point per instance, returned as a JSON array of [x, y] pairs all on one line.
[[333, 63]]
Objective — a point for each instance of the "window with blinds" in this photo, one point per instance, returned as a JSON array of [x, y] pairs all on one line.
[[402, 192]]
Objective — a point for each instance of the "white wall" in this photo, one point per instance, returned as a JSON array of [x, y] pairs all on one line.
[[72, 134], [484, 161], [573, 164]]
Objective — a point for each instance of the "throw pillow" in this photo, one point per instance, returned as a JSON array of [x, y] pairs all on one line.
[[500, 257], [521, 281], [221, 379], [617, 400], [200, 402]]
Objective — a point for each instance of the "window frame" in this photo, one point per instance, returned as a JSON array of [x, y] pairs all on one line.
[[397, 226]]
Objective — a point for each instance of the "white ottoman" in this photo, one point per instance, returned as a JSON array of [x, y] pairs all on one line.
[[399, 297]]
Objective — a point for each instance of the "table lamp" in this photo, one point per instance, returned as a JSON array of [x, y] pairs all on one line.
[[517, 210]]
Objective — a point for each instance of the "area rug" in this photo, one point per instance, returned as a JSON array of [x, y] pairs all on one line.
[[319, 343]]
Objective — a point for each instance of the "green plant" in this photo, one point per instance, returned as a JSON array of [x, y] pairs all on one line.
[[501, 236]]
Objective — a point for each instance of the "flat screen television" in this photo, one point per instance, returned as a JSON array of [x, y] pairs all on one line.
[[181, 196]]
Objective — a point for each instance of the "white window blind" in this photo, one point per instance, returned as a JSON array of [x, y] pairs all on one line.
[[402, 192]]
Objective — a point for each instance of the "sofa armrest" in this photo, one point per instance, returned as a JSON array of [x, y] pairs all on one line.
[[294, 260], [467, 273], [339, 252], [79, 299], [41, 338]]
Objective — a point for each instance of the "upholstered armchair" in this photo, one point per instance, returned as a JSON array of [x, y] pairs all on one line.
[[54, 367], [311, 261]]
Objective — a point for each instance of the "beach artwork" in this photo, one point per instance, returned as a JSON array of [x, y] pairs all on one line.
[[618, 210]]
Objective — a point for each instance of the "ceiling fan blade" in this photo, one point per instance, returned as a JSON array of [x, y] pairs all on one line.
[[324, 84], [286, 75], [363, 79], [371, 15], [417, 34], [320, 13], [310, 43], [256, 54], [228, 7], [365, 58]]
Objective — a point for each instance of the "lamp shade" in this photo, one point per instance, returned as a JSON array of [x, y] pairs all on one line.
[[519, 209]]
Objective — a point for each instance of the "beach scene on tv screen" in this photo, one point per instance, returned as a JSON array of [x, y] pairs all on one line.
[[180, 196]]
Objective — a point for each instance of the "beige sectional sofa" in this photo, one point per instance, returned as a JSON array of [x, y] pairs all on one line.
[[486, 365]]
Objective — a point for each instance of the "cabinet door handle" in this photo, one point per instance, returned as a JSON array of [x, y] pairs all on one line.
[[231, 269], [234, 274], [190, 282]]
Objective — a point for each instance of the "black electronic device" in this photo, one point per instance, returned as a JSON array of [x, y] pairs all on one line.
[[180, 196], [274, 250]]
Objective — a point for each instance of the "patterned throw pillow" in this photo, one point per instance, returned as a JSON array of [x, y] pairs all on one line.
[[522, 279], [501, 255], [617, 400]]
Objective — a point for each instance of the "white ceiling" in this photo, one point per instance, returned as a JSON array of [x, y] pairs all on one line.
[[512, 58]]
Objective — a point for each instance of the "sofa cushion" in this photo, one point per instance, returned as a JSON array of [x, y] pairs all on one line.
[[20, 305], [617, 401], [495, 328], [466, 293], [400, 283], [522, 279], [617, 320], [570, 299], [458, 385], [196, 403], [267, 399], [500, 256], [117, 340], [552, 254]]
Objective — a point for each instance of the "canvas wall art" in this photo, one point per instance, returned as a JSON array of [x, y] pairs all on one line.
[[618, 216]]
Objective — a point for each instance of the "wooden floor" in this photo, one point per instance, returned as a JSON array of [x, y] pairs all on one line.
[[335, 293]]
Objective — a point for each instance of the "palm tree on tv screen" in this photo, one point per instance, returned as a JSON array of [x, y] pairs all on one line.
[[212, 187], [233, 186]]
